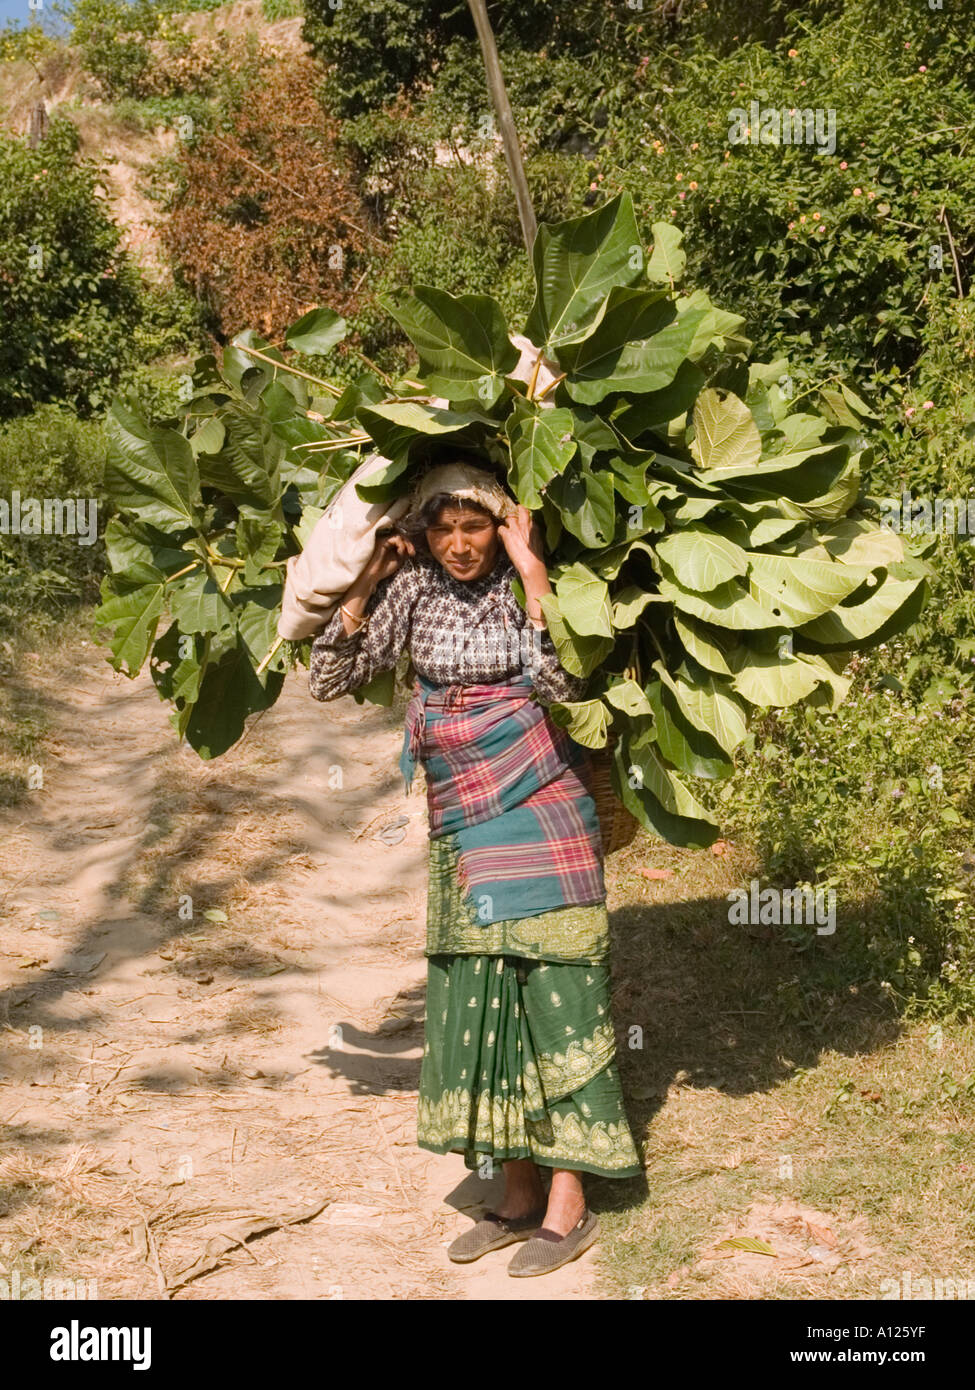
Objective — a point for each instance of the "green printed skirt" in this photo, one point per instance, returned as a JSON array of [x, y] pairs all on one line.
[[519, 1050]]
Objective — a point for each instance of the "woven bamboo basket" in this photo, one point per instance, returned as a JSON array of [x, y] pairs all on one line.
[[617, 825]]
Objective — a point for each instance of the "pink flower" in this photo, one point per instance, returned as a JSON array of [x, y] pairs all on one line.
[[682, 195], [843, 164], [909, 411], [928, 405], [593, 187], [793, 53], [857, 192], [922, 68]]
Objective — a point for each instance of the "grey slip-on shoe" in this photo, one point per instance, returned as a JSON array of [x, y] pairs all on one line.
[[492, 1232], [547, 1250]]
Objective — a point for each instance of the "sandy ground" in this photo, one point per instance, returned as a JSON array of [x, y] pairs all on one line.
[[172, 1082]]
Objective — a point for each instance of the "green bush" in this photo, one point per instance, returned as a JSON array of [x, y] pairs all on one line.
[[378, 49], [828, 256], [50, 454], [69, 298], [113, 36], [878, 799]]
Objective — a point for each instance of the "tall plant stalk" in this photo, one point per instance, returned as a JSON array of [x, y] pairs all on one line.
[[502, 109]]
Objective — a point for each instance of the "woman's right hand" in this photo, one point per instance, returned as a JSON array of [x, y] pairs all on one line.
[[387, 557]]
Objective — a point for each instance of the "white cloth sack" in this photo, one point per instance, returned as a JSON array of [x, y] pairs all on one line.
[[337, 552]]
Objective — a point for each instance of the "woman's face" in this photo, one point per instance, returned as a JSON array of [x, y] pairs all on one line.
[[465, 541]]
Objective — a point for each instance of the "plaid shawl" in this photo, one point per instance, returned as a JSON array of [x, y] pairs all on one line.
[[512, 787]]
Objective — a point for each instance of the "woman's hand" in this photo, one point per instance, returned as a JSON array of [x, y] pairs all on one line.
[[521, 537], [387, 557]]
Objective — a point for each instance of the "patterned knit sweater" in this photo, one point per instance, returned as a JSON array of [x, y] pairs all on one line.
[[464, 632]]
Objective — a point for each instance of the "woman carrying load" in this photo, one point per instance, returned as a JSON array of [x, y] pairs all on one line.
[[519, 1050]]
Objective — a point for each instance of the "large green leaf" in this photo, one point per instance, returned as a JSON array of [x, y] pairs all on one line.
[[855, 541], [629, 698], [626, 316], [668, 259], [709, 705], [646, 365], [584, 602], [462, 340], [247, 467], [150, 470], [257, 620], [892, 607], [175, 667], [579, 655], [728, 606], [658, 407], [705, 645], [130, 542], [658, 798], [541, 446], [399, 425], [316, 332], [586, 720], [230, 693], [715, 327], [132, 607], [686, 747], [586, 502], [798, 477], [630, 602], [799, 589], [576, 264], [700, 559], [198, 604], [725, 434], [767, 679]]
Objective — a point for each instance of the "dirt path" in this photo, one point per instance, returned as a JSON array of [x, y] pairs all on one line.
[[170, 1079]]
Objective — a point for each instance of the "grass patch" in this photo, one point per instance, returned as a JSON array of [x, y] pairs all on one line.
[[837, 1134]]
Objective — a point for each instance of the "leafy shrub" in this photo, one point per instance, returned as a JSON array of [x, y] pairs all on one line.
[[379, 49], [113, 36], [29, 42], [69, 297], [828, 256], [50, 454]]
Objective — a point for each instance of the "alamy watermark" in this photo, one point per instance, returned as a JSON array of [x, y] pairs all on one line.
[[793, 125], [925, 515], [765, 907], [494, 646], [50, 516], [15, 1287], [923, 1286]]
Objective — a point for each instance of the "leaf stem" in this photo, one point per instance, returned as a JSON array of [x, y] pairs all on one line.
[[293, 371], [275, 648], [551, 386], [179, 573]]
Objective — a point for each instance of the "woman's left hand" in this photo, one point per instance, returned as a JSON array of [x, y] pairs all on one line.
[[521, 537]]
